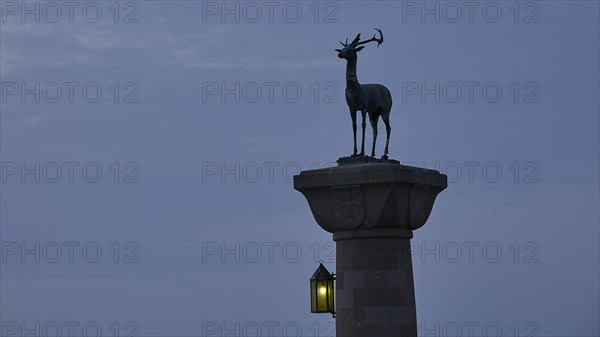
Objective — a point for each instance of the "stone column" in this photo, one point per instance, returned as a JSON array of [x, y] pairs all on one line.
[[372, 209]]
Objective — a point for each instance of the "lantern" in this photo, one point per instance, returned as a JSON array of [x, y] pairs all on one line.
[[322, 291]]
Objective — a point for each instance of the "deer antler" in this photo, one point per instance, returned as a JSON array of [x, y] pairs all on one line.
[[379, 41]]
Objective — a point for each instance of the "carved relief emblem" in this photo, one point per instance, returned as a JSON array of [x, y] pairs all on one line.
[[349, 207]]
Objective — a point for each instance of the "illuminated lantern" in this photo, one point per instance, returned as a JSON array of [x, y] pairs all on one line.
[[322, 291]]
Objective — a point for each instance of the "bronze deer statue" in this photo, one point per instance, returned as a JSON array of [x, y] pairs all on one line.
[[374, 99]]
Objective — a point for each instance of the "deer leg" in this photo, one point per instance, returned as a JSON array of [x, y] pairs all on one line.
[[373, 119], [353, 115], [388, 129], [364, 127]]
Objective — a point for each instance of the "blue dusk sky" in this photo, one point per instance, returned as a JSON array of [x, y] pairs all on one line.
[[148, 149]]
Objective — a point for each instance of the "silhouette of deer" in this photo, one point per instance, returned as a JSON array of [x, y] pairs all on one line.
[[374, 99]]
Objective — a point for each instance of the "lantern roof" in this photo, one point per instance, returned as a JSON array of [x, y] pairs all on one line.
[[322, 273]]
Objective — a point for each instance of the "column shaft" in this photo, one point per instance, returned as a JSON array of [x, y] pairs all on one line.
[[375, 293]]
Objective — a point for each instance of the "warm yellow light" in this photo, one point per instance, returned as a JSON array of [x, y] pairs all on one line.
[[322, 291]]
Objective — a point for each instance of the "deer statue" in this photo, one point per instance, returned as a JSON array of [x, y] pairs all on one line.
[[374, 99]]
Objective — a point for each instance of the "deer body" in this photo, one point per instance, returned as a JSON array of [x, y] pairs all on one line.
[[372, 99]]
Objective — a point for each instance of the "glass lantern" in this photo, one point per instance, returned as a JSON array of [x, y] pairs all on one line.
[[322, 291]]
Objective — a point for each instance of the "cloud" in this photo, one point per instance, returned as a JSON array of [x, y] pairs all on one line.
[[211, 51], [27, 45], [61, 45], [28, 28], [97, 39], [14, 57]]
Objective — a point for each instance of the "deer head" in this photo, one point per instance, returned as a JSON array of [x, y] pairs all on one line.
[[350, 49]]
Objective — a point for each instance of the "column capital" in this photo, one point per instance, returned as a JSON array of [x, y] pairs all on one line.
[[370, 196]]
